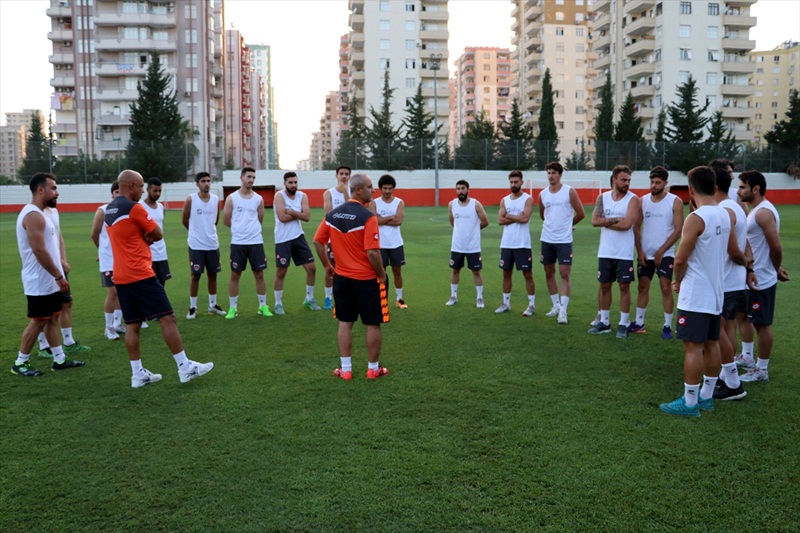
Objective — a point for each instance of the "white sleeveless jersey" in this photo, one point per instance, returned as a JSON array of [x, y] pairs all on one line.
[[701, 287], [36, 281], [287, 231], [736, 275], [202, 223], [766, 274], [658, 224], [733, 193], [104, 256], [159, 248], [337, 198], [616, 244], [466, 228], [390, 235], [558, 216], [515, 235], [245, 227]]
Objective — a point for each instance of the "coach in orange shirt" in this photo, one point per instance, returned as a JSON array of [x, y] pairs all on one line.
[[359, 287]]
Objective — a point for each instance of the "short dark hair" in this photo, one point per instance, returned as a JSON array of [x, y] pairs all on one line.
[[703, 179], [465, 183], [555, 165], [387, 179], [288, 175], [340, 167], [114, 186], [619, 169], [39, 179], [753, 178], [723, 178], [153, 182], [659, 172], [722, 163], [515, 174], [201, 175], [245, 170]]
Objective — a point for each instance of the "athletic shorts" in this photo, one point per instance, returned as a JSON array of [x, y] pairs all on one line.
[[394, 256], [161, 268], [45, 307], [474, 260], [561, 252], [649, 270], [735, 302], [143, 300], [356, 297], [762, 306], [107, 278], [697, 327], [200, 260], [610, 270], [297, 250], [242, 253], [521, 257]]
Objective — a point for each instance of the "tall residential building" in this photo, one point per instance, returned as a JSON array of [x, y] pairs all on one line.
[[102, 48], [777, 73], [325, 142], [554, 34], [12, 149], [25, 118], [399, 37], [261, 61], [651, 47], [344, 81], [482, 83], [239, 97]]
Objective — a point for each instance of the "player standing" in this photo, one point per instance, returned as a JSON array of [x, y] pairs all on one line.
[[334, 197], [515, 244], [391, 211], [468, 218]]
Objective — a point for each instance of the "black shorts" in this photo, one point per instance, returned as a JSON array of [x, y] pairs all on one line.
[[664, 269], [45, 307], [161, 268], [66, 297], [107, 279], [356, 297], [297, 250], [394, 256], [610, 270], [242, 253], [697, 327], [474, 260], [561, 252], [521, 257], [762, 306], [735, 302], [143, 300], [200, 260]]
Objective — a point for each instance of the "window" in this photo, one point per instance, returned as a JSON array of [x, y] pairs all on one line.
[[713, 8], [711, 78], [685, 54], [130, 83], [190, 36], [579, 78], [384, 44], [775, 94], [410, 6], [384, 5], [579, 95], [659, 9], [559, 30], [131, 33], [411, 64], [487, 66], [659, 32], [560, 125], [559, 110], [579, 126], [758, 116], [579, 47], [487, 90], [560, 61], [160, 35], [191, 85], [713, 55], [775, 115], [578, 32], [776, 70], [410, 44], [711, 100], [487, 55], [559, 15], [383, 63], [776, 59], [686, 8], [580, 110], [774, 81], [683, 76], [559, 47], [190, 11], [383, 25], [560, 2], [684, 30], [712, 32], [410, 26], [657, 56], [411, 83]]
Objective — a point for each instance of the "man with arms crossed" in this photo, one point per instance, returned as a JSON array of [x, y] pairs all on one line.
[[142, 297], [468, 218], [615, 213], [291, 208], [200, 216], [105, 258], [560, 209], [662, 216], [43, 278], [244, 213], [159, 248], [515, 244], [390, 211], [334, 197], [359, 277]]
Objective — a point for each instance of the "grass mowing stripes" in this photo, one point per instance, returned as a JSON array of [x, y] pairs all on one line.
[[486, 423]]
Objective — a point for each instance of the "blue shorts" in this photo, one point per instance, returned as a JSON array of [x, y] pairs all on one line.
[[610, 270], [521, 257], [474, 261]]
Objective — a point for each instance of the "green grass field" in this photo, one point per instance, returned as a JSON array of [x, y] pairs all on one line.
[[486, 423]]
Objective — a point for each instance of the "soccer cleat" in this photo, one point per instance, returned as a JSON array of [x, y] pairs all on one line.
[[401, 304], [706, 404], [678, 407], [529, 311], [600, 328], [25, 370], [562, 317], [192, 314], [453, 300], [622, 331], [144, 325], [232, 313], [725, 393], [279, 310], [504, 308], [755, 374], [76, 347], [68, 363], [743, 362], [339, 373], [46, 353], [327, 304], [633, 327], [111, 334], [311, 304], [216, 310], [375, 374], [479, 303], [554, 311], [193, 370], [121, 329], [144, 377], [263, 311], [666, 332]]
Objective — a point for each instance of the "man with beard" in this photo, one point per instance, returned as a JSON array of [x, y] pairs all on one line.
[[43, 279], [468, 218], [615, 213], [656, 231], [291, 208], [158, 249], [515, 244], [332, 198], [105, 260]]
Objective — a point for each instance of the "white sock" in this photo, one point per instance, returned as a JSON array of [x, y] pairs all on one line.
[[42, 341], [234, 301], [730, 375], [212, 300], [605, 316], [21, 358], [278, 297], [762, 364], [454, 290], [399, 293], [624, 319], [67, 334], [136, 366], [747, 350], [262, 299], [180, 358], [690, 394], [564, 303], [507, 298], [479, 290], [117, 317], [554, 298], [109, 320], [668, 319], [532, 300], [193, 302], [708, 387], [640, 311], [309, 292], [328, 292], [58, 354], [347, 364], [373, 366]]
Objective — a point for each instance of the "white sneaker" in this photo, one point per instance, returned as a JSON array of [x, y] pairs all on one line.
[[479, 303], [193, 370], [120, 328], [755, 374], [111, 334], [596, 321], [504, 308], [144, 325], [145, 377], [192, 314], [452, 301], [562, 317], [743, 362], [529, 311], [554, 311]]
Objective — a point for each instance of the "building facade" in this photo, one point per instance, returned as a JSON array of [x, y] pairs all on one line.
[[12, 149], [325, 141], [777, 73], [261, 61]]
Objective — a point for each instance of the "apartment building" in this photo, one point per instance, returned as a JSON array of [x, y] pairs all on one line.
[[407, 39], [777, 73], [13, 137], [241, 123], [651, 47], [325, 142], [102, 49], [261, 61]]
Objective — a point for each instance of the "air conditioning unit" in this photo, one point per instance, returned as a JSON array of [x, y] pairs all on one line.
[[187, 94], [106, 129], [657, 86]]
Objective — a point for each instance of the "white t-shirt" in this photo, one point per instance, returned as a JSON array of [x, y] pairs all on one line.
[[202, 223], [104, 256], [337, 198], [466, 227], [765, 272], [616, 244], [515, 235], [736, 275], [287, 231], [658, 224], [245, 227], [390, 235], [36, 281], [159, 248], [701, 288], [558, 215]]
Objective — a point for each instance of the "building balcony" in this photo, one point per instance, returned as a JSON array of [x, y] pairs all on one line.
[[738, 44], [738, 21], [60, 34], [216, 91], [738, 67], [64, 127], [357, 76], [131, 45], [117, 94], [117, 18], [434, 35], [63, 78], [59, 11], [642, 91], [601, 43], [357, 39], [533, 12], [637, 71], [646, 112], [356, 21], [62, 59], [740, 3], [601, 5], [110, 119], [728, 89], [641, 26], [602, 63], [112, 145], [638, 6], [602, 22], [642, 47], [357, 59], [433, 16], [66, 148], [737, 112]]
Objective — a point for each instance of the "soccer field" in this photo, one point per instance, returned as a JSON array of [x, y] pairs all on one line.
[[486, 422]]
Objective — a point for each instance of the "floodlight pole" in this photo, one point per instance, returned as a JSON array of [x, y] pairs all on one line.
[[435, 62]]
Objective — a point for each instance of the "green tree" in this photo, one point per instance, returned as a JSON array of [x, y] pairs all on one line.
[[37, 151], [478, 146], [604, 126], [515, 148], [630, 146], [88, 169], [417, 149], [8, 180], [784, 138], [721, 142], [160, 139], [546, 145], [578, 159], [381, 135], [351, 149], [686, 129]]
